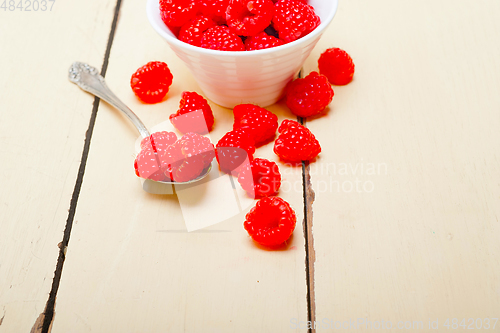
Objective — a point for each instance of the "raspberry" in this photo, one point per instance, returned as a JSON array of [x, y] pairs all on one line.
[[151, 82], [271, 222], [258, 122], [260, 178], [310, 95], [216, 9], [221, 38], [192, 144], [159, 141], [194, 114], [176, 13], [146, 165], [187, 158], [262, 41], [249, 17], [337, 66], [233, 149], [294, 19], [296, 143], [192, 31]]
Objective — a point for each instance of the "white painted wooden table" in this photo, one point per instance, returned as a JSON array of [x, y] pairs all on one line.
[[399, 226]]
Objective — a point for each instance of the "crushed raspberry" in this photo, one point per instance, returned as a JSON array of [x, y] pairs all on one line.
[[176, 13], [221, 38], [216, 9], [262, 41], [194, 114], [337, 65], [192, 31], [271, 222], [187, 158], [258, 122], [260, 178], [309, 96], [249, 17], [296, 143], [233, 149], [151, 82], [159, 141], [294, 19]]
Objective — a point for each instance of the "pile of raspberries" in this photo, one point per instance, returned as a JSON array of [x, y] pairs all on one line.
[[165, 157], [238, 25]]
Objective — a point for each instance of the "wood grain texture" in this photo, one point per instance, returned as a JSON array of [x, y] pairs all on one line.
[[42, 127], [406, 215], [131, 266]]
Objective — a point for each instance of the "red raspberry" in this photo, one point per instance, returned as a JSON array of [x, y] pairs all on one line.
[[192, 144], [260, 178], [194, 114], [262, 41], [296, 143], [221, 38], [188, 157], [271, 222], [337, 66], [151, 82], [249, 17], [146, 165], [232, 150], [294, 19], [159, 141], [176, 13], [216, 9], [192, 31], [310, 95], [258, 122]]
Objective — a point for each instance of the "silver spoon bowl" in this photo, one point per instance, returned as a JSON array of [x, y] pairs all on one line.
[[89, 80]]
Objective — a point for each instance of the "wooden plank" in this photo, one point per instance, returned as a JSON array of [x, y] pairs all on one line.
[[406, 214], [131, 266], [44, 119]]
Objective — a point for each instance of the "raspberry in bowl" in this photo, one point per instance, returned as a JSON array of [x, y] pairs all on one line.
[[230, 76]]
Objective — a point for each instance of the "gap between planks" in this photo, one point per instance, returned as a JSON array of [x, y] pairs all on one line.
[[307, 225], [308, 193], [48, 315]]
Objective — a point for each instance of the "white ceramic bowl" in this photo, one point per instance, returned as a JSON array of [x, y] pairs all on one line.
[[229, 78]]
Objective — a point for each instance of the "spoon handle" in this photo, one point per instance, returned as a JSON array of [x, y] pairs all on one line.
[[88, 78]]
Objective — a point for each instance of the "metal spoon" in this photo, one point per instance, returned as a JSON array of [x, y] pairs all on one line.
[[88, 79]]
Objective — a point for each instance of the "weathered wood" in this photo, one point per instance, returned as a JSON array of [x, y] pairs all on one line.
[[42, 129], [417, 132]]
